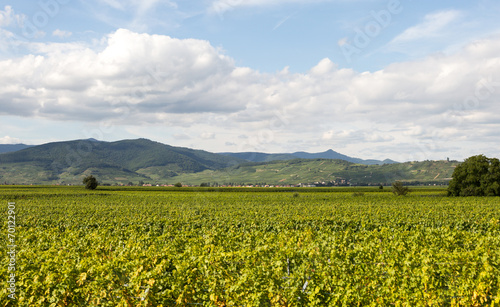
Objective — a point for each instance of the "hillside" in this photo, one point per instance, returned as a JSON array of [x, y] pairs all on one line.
[[338, 172], [122, 161], [147, 161], [329, 154]]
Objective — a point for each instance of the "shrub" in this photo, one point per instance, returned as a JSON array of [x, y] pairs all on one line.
[[90, 182], [399, 189]]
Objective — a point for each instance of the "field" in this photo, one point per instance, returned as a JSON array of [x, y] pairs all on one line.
[[250, 247]]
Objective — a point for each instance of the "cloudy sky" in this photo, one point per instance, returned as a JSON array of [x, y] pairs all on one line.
[[400, 79]]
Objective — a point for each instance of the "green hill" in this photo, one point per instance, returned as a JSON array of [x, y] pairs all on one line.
[[144, 160], [122, 161], [337, 172]]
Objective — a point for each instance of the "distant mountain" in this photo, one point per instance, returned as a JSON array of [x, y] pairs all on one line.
[[120, 161], [259, 156], [11, 148], [329, 154]]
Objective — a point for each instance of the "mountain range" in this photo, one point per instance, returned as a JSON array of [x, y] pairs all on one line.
[[143, 160], [329, 154]]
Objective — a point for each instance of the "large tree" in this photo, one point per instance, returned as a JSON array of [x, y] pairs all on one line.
[[476, 176]]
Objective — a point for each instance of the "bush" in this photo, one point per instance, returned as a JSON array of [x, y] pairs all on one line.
[[476, 176], [90, 182], [178, 185], [399, 189]]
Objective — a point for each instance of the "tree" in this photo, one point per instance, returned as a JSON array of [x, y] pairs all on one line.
[[476, 176], [90, 182], [178, 185], [399, 189]]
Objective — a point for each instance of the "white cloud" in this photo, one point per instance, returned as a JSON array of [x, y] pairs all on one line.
[[181, 136], [8, 17], [113, 3], [432, 26], [343, 41], [139, 79], [435, 30], [61, 33], [207, 135], [9, 140], [222, 6]]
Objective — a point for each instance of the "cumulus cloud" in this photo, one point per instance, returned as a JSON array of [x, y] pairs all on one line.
[[137, 79], [149, 74]]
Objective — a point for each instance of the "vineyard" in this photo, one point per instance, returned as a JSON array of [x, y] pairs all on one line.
[[255, 247]]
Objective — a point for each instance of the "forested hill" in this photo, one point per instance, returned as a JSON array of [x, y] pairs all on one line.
[[67, 162]]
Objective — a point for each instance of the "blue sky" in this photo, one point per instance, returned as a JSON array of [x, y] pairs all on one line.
[[407, 80]]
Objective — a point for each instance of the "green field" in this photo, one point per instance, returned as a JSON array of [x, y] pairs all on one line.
[[250, 247]]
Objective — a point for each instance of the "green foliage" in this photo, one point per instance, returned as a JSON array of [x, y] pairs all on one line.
[[90, 182], [399, 189], [138, 246], [178, 185], [476, 176]]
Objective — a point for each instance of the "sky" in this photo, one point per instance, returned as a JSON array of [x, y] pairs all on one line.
[[374, 79]]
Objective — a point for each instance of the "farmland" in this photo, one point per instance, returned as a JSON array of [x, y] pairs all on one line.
[[251, 247]]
